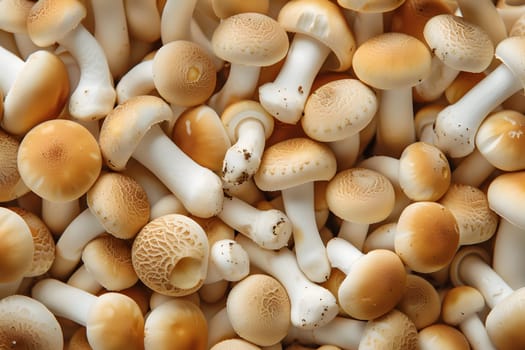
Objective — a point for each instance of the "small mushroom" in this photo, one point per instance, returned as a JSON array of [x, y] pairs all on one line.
[[441, 336], [420, 301], [228, 261]]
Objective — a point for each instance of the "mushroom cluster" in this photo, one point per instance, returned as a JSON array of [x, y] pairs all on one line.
[[262, 174]]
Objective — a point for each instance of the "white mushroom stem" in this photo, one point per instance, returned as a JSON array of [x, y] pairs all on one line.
[[69, 246], [456, 125], [342, 254], [472, 170], [312, 306], [508, 259], [83, 279], [366, 26], [198, 188], [271, 229], [476, 333], [354, 233], [169, 204], [137, 81], [154, 188], [175, 20], [309, 248], [58, 215], [246, 191], [94, 96], [143, 19], [227, 261], [285, 97], [435, 84], [220, 328], [11, 65], [346, 151]]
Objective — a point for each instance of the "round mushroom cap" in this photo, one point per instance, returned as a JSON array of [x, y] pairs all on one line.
[[338, 109], [506, 194], [170, 255], [508, 51], [234, 344], [460, 303], [370, 6], [420, 301], [440, 336], [360, 195], [189, 82], [115, 321], [176, 324], [392, 60], [59, 160], [504, 322], [119, 203], [11, 184], [50, 20], [237, 112], [16, 246], [258, 308], [251, 39], [393, 330], [458, 43], [499, 139], [374, 285], [293, 162], [325, 22], [25, 323], [427, 236]]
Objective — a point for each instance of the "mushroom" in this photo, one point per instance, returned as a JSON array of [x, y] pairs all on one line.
[[321, 38], [381, 237], [11, 184], [60, 21], [234, 344], [175, 20], [25, 323], [440, 336], [228, 261], [394, 330], [226, 8], [258, 308], [143, 20], [112, 320], [137, 80], [420, 301], [292, 166], [484, 14]]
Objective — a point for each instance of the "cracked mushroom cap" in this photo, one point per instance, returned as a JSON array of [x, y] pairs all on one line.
[[11, 184], [59, 160], [393, 330], [170, 255], [293, 162]]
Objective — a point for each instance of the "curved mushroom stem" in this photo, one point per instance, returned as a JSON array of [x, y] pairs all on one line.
[[227, 261], [441, 76], [366, 26], [346, 151], [176, 19], [472, 170], [476, 333], [285, 97], [11, 65], [137, 81], [84, 280], [309, 248], [342, 254], [508, 259], [58, 216]]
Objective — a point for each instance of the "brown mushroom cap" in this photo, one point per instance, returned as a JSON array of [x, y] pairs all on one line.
[[59, 160], [440, 336], [11, 184], [505, 196], [420, 301], [393, 330], [460, 303]]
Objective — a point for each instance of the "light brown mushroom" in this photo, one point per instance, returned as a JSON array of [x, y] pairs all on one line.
[[441, 336], [420, 301], [11, 185]]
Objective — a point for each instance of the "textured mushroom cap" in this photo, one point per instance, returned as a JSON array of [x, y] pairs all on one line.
[[176, 324], [126, 124], [338, 109], [59, 160], [234, 344], [115, 321], [371, 6], [504, 322], [226, 8], [427, 236], [325, 22], [439, 336], [259, 310], [108, 260], [239, 111], [506, 194], [374, 285], [26, 323], [391, 331], [50, 20], [170, 255], [119, 203], [460, 303], [43, 243], [469, 205], [509, 52], [250, 38], [11, 184], [16, 246], [424, 172], [420, 301], [392, 60], [500, 140], [293, 162], [459, 44], [360, 195], [189, 82]]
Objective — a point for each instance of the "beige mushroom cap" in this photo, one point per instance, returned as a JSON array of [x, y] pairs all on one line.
[[420, 301], [295, 161], [26, 323], [392, 60], [170, 255], [506, 194], [440, 336], [504, 322], [119, 203], [11, 184], [338, 109], [13, 15], [509, 52], [234, 344], [371, 6], [427, 236], [59, 160], [393, 330], [250, 38], [189, 82], [460, 303], [258, 308]]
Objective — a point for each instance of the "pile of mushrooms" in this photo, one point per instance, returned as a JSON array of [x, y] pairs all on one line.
[[262, 174]]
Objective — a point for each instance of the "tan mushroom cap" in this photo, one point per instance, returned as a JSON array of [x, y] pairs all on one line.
[[458, 43], [392, 60], [508, 51], [338, 109], [360, 195], [16, 246], [238, 111], [506, 194], [234, 344], [460, 303], [393, 330], [11, 184], [226, 8], [371, 6], [504, 322], [440, 336], [258, 308], [78, 340], [59, 160], [420, 301], [427, 236], [499, 139], [424, 172], [115, 321], [26, 323], [170, 255], [325, 22], [189, 82], [295, 161], [176, 324], [120, 204]]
